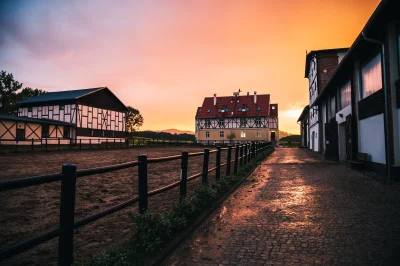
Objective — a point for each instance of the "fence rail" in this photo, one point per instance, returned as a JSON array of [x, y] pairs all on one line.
[[69, 174], [48, 144]]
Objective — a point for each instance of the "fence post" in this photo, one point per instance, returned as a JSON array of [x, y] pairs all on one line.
[[80, 144], [46, 144], [90, 143], [98, 143], [67, 212], [218, 164], [235, 165], [106, 143], [205, 166], [245, 154], [142, 173], [184, 173], [241, 155], [32, 145], [256, 148], [228, 160], [249, 153]]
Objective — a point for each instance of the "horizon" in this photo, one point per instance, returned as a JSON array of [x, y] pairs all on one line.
[[153, 55]]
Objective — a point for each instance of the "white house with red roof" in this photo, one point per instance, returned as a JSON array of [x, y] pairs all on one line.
[[248, 117]]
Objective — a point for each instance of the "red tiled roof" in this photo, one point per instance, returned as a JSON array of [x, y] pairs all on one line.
[[230, 103]]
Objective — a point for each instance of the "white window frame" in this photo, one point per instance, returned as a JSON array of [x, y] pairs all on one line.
[[207, 134], [221, 134]]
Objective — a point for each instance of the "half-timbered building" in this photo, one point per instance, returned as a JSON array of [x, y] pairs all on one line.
[[303, 120], [320, 64], [248, 117], [95, 114], [362, 99]]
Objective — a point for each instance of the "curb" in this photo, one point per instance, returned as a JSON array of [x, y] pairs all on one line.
[[173, 245]]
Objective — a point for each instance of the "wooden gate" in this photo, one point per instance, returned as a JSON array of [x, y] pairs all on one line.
[[331, 140]]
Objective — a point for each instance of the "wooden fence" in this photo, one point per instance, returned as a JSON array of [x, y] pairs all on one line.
[[69, 173]]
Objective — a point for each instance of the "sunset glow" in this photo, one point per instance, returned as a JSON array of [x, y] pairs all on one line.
[[164, 57]]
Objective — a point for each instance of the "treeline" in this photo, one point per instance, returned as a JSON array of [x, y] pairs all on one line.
[[163, 135], [292, 138]]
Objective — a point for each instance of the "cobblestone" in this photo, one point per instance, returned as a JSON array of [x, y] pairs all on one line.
[[297, 209]]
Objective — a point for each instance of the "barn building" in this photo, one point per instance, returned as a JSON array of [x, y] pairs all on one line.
[[360, 101], [303, 120], [248, 117], [66, 116], [320, 65]]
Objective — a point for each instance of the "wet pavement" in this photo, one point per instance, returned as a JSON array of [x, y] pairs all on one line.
[[299, 209]]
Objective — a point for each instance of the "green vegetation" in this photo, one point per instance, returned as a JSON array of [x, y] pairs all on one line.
[[155, 230], [11, 93]]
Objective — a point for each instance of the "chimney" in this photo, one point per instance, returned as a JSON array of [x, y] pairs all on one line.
[[215, 99], [255, 97]]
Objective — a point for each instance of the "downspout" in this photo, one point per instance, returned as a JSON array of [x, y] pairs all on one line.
[[386, 103]]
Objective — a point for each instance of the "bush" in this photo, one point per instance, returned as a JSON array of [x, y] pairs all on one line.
[[152, 231]]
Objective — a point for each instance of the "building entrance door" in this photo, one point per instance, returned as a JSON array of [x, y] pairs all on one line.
[[272, 136], [331, 140]]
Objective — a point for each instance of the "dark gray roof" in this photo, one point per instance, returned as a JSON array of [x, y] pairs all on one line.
[[34, 120], [60, 95]]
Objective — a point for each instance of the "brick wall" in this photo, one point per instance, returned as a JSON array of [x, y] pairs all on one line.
[[327, 64]]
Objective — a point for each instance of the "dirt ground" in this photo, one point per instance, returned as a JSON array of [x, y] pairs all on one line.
[[25, 213]]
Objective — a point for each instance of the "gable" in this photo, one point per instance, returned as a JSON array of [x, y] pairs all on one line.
[[104, 99]]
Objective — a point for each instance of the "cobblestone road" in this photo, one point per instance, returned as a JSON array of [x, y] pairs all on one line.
[[298, 209]]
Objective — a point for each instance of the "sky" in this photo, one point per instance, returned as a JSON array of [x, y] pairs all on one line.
[[164, 57]]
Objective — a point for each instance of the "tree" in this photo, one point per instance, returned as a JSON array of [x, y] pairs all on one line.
[[9, 95], [231, 137], [134, 119], [8, 91]]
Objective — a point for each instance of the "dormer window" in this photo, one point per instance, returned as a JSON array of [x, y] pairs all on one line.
[[208, 110], [273, 107], [240, 109], [247, 109], [219, 110], [227, 110], [258, 108]]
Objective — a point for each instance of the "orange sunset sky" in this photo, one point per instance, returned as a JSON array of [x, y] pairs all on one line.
[[164, 57]]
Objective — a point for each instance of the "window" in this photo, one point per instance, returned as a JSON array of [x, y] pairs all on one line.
[[208, 123], [258, 108], [20, 133], [208, 110], [227, 110], [221, 123], [243, 134], [240, 109], [243, 122], [62, 107], [207, 134], [273, 107], [66, 132], [258, 134], [345, 95], [219, 110], [398, 48], [221, 134], [258, 122], [29, 109], [247, 109], [45, 131], [371, 76]]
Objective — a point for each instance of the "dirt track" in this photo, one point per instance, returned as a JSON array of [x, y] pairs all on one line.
[[28, 212]]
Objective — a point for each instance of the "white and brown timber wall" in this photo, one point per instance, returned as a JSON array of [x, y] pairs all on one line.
[[89, 122]]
